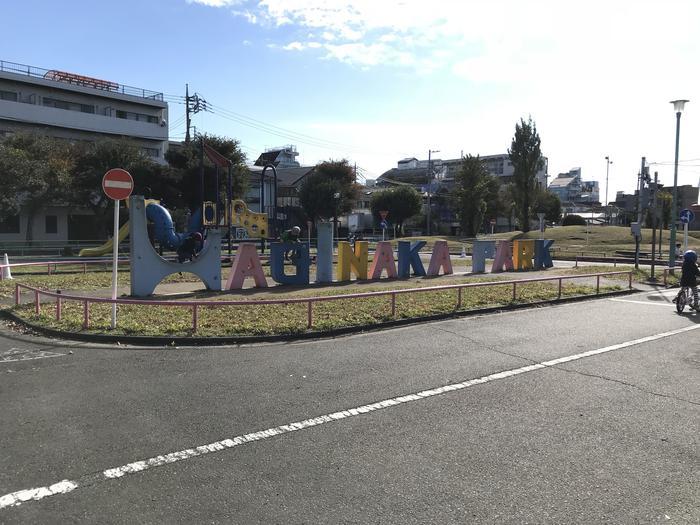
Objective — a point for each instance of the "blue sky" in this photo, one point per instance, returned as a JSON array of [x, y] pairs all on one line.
[[374, 81]]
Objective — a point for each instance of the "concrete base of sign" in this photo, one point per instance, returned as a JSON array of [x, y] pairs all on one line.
[[148, 268]]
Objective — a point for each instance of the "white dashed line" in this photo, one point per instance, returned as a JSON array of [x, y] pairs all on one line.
[[65, 486]]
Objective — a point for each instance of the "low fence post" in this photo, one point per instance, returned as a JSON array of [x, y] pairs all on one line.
[[597, 284], [86, 314], [84, 267], [48, 268], [58, 305], [18, 295], [559, 296], [459, 298], [37, 302], [629, 275], [576, 264], [309, 315], [393, 305], [514, 291], [195, 318]]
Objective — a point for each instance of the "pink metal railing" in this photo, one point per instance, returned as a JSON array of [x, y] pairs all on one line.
[[309, 301]]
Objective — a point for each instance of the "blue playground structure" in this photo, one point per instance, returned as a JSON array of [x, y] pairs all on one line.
[[148, 268]]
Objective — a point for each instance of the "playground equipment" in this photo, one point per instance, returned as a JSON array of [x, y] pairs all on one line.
[[254, 224], [163, 231], [148, 268], [105, 248]]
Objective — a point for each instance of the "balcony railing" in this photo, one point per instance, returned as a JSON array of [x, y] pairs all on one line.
[[77, 80]]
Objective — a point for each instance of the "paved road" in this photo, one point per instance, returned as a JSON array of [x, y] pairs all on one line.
[[579, 413]]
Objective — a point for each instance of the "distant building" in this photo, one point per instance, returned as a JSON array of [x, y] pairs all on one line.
[[76, 107], [571, 188], [415, 172], [282, 157]]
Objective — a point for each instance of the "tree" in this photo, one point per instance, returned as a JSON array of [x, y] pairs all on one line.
[[93, 160], [34, 173], [548, 203], [402, 203], [475, 191], [329, 191], [526, 157], [186, 163]]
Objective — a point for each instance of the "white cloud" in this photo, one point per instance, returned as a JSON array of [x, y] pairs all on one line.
[[596, 76]]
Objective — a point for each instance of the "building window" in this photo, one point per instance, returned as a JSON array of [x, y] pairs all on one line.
[[121, 114], [86, 108], [8, 95], [9, 224], [51, 224]]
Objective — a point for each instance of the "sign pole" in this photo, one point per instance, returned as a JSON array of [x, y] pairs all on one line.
[[117, 185], [685, 237], [115, 262]]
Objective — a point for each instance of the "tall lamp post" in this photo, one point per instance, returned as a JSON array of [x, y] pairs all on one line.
[[678, 106], [430, 181], [607, 174]]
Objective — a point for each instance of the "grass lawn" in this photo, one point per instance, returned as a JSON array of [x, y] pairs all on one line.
[[258, 319], [605, 239]]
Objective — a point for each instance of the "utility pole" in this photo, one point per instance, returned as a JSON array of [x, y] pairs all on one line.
[[638, 237], [430, 181], [193, 104], [187, 113], [654, 219]]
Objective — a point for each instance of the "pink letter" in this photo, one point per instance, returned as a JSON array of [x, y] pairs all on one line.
[[440, 259], [383, 260], [504, 257], [246, 264]]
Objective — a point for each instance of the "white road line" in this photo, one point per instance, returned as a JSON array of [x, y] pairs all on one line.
[[65, 486], [650, 303]]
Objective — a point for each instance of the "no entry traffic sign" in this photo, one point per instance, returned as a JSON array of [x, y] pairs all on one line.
[[117, 184]]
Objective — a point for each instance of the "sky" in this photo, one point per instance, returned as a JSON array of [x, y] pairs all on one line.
[[375, 81]]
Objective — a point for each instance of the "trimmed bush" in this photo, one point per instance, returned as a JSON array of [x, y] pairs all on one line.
[[573, 220]]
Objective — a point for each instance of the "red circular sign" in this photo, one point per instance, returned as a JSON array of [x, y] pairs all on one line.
[[117, 184]]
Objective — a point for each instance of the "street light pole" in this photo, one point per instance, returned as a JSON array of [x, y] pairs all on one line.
[[678, 106], [430, 181], [607, 173]]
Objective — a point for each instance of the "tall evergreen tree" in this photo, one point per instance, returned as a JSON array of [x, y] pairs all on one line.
[[475, 192], [527, 160]]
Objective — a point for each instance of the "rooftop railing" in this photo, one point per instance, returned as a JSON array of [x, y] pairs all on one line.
[[64, 77]]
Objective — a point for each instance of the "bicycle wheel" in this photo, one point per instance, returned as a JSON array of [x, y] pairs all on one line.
[[681, 300]]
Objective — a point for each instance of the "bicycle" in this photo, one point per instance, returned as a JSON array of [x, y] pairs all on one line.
[[683, 299]]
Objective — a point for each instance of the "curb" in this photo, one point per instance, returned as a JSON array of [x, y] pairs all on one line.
[[140, 340]]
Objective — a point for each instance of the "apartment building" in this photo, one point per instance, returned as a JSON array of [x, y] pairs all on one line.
[[76, 107]]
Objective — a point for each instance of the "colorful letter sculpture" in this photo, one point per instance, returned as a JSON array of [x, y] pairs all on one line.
[[246, 264], [148, 268], [302, 262], [440, 259], [542, 257], [409, 257], [352, 262], [523, 253], [324, 253], [383, 260], [503, 259], [481, 251]]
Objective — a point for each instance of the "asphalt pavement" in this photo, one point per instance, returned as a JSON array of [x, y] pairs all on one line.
[[577, 413]]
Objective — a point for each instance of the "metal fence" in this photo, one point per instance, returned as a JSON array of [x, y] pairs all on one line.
[[194, 306]]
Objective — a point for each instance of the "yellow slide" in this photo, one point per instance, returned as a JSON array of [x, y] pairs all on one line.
[[106, 248]]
